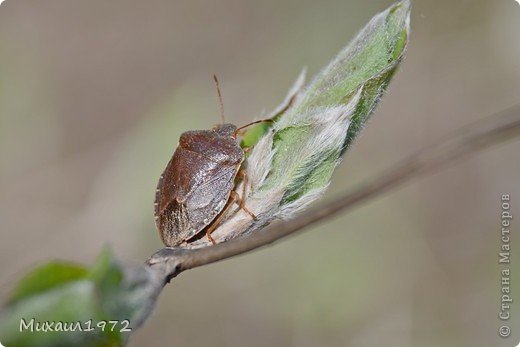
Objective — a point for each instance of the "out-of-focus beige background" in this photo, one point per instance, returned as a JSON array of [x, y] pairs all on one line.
[[93, 97]]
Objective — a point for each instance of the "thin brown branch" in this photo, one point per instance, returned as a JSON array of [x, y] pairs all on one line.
[[169, 262]]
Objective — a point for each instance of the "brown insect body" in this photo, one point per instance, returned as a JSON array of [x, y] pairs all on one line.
[[197, 182]]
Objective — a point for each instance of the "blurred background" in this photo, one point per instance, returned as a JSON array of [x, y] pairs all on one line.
[[94, 95]]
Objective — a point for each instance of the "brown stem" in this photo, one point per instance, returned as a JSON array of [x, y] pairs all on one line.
[[169, 262]]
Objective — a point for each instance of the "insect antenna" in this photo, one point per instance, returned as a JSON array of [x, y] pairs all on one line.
[[255, 122], [279, 113], [222, 117]]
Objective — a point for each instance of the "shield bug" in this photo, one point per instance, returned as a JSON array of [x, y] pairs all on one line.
[[197, 187]]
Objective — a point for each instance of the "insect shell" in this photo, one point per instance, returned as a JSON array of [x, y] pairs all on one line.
[[197, 183]]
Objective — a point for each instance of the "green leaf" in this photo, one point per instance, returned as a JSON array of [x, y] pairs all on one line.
[[70, 302], [107, 272], [47, 277], [63, 292], [356, 78], [379, 47]]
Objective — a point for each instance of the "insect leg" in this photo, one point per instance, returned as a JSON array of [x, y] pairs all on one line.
[[233, 198], [216, 222], [242, 200], [241, 204]]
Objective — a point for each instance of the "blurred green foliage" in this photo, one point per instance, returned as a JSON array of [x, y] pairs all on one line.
[[69, 293]]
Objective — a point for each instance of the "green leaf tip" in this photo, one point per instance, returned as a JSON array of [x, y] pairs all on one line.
[[368, 62], [365, 68], [374, 53]]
